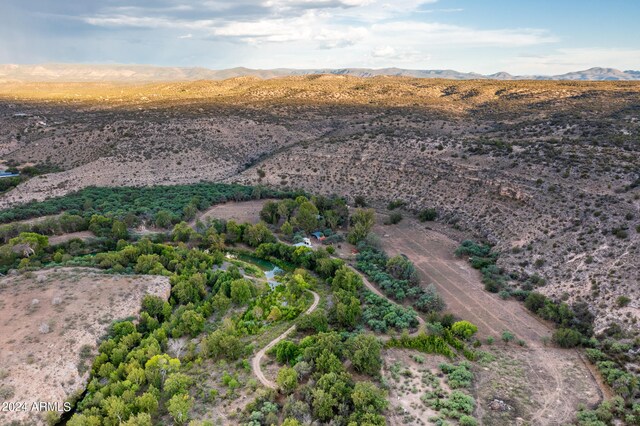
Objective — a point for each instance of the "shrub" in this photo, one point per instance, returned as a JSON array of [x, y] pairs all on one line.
[[567, 338], [427, 215], [394, 218], [458, 376], [507, 336], [464, 329]]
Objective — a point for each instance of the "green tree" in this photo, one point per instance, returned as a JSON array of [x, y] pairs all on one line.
[[29, 243], [147, 403], [535, 301], [116, 409], [182, 232], [189, 212], [270, 212], [346, 279], [567, 338], [368, 398], [163, 219], [348, 311], [257, 234], [362, 222], [287, 229], [241, 291], [189, 290], [323, 404], [176, 383], [158, 367], [223, 344], [179, 406], [365, 354], [307, 216], [100, 225], [119, 230], [234, 232], [464, 329], [287, 379], [191, 322], [213, 240]]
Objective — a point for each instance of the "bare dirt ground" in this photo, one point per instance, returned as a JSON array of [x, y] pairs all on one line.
[[59, 239], [545, 383], [50, 321], [405, 377], [245, 211]]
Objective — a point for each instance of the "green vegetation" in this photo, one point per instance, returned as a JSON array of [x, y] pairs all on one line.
[[380, 315], [427, 215], [142, 203], [481, 257], [397, 278], [430, 344], [362, 222], [306, 214]]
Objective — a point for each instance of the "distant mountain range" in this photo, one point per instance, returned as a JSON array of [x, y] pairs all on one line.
[[149, 73]]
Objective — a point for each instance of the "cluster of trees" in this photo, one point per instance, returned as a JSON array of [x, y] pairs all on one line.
[[49, 226], [398, 279], [380, 315], [318, 261], [308, 215], [624, 383], [324, 390], [143, 203], [284, 302], [133, 380], [482, 258], [361, 223], [575, 324]]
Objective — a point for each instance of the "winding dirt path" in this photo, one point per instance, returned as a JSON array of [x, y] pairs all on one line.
[[256, 361]]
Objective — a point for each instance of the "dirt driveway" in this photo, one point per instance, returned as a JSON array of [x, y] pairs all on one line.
[[433, 255], [544, 384]]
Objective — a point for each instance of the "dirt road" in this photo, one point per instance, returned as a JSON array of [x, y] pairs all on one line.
[[255, 362], [554, 380], [460, 284]]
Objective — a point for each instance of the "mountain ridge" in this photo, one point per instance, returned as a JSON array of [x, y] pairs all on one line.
[[150, 73]]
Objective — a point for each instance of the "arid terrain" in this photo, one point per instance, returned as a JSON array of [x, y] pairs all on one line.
[[547, 171], [50, 325]]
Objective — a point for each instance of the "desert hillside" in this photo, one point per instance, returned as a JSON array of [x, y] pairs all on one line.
[[547, 171]]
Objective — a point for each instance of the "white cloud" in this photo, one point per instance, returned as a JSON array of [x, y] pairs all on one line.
[[433, 33], [377, 33]]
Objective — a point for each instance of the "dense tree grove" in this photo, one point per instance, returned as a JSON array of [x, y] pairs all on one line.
[[397, 278], [317, 213], [141, 202]]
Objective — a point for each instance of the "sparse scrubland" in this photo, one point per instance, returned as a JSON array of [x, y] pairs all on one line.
[[535, 183]]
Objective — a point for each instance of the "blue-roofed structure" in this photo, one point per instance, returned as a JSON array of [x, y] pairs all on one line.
[[8, 174]]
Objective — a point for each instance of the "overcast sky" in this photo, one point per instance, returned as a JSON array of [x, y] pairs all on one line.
[[517, 36]]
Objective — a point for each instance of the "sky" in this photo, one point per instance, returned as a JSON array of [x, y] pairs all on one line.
[[521, 37]]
